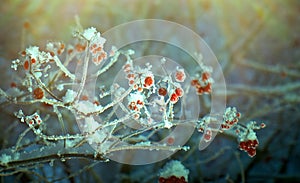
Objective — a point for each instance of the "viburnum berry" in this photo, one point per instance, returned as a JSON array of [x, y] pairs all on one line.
[[33, 60], [230, 118], [162, 91], [26, 65], [148, 81], [127, 67], [195, 82], [248, 141], [202, 88], [173, 98], [179, 92], [38, 93], [207, 135], [180, 75], [173, 172], [205, 76]]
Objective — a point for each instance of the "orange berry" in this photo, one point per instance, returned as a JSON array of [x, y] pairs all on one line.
[[70, 51], [38, 93], [80, 47], [179, 92], [174, 98], [26, 65], [148, 81], [33, 61]]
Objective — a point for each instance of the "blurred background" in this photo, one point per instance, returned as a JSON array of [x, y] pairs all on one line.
[[257, 44]]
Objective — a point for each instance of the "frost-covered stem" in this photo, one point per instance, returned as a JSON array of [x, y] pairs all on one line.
[[21, 136], [108, 105], [49, 157], [63, 68], [84, 75], [60, 119], [153, 127], [137, 132], [239, 89], [59, 137], [59, 72], [2, 93], [148, 147], [112, 123], [50, 102], [44, 87], [111, 63], [277, 69]]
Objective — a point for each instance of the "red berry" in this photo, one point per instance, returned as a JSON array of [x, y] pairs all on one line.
[[194, 82], [180, 75], [162, 91], [179, 92], [251, 152], [38, 93], [161, 180], [243, 145], [33, 61], [207, 88], [174, 98], [148, 81], [26, 65]]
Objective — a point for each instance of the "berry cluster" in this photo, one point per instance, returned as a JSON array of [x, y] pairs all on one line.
[[31, 56], [31, 120], [178, 92], [172, 179], [173, 172], [153, 95], [249, 146], [55, 48], [248, 141], [203, 84], [138, 78], [96, 48], [136, 101], [230, 118], [246, 134]]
